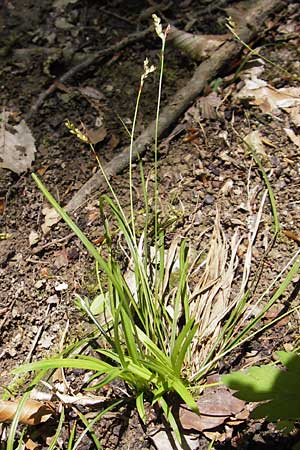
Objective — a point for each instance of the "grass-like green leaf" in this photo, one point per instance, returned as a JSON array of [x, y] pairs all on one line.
[[140, 406], [88, 363], [182, 345], [58, 430]]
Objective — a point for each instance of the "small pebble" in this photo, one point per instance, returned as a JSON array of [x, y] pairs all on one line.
[[208, 199]]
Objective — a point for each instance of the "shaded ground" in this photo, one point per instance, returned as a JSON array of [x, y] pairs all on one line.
[[202, 168]]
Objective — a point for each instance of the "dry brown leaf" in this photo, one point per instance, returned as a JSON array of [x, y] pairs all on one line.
[[92, 93], [209, 106], [97, 135], [42, 170], [198, 47], [93, 214], [31, 445], [294, 236], [294, 113], [293, 137], [33, 412], [82, 400], [51, 218], [113, 142], [216, 406], [61, 258], [165, 440], [33, 238], [269, 99], [254, 139], [17, 147]]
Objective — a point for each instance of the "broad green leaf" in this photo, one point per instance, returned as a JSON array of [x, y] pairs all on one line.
[[284, 408], [280, 387], [253, 385], [290, 360]]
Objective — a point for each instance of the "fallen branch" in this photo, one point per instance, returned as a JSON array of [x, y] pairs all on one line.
[[95, 58], [205, 72]]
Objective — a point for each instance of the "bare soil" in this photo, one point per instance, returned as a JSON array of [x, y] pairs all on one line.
[[39, 44]]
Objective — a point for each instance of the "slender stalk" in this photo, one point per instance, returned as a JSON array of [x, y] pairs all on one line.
[[137, 104], [163, 36]]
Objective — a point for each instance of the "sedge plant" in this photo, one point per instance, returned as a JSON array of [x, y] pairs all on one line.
[[168, 320]]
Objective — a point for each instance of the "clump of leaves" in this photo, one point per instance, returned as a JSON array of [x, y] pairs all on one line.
[[277, 387]]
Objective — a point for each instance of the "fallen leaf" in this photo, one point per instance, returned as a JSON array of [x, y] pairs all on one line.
[[42, 170], [51, 218], [91, 92], [44, 272], [294, 113], [254, 139], [209, 105], [61, 258], [92, 214], [97, 135], [113, 142], [33, 238], [17, 147], [293, 137], [165, 440], [294, 236], [33, 412], [31, 445], [2, 205], [268, 98], [216, 405], [81, 400]]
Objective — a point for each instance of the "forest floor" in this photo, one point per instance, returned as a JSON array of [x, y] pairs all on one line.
[[203, 168]]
